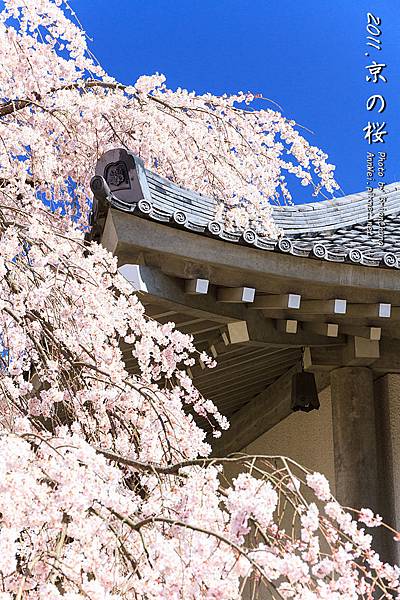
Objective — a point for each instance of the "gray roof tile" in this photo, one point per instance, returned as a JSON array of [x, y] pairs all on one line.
[[326, 230]]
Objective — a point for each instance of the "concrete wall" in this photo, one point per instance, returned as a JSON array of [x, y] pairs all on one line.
[[304, 437]]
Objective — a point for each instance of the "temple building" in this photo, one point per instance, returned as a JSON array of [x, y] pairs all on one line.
[[305, 329]]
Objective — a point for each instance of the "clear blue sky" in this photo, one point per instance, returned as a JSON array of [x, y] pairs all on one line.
[[308, 56]]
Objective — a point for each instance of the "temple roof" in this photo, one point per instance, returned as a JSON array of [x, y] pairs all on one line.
[[345, 229], [327, 285]]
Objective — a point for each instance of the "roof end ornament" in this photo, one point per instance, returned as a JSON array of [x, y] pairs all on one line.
[[120, 180]]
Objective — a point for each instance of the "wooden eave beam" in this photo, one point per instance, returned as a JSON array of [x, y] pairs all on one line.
[[277, 302], [381, 356], [134, 239], [288, 326], [323, 307], [155, 285], [370, 333], [196, 286], [328, 329], [378, 310], [237, 294]]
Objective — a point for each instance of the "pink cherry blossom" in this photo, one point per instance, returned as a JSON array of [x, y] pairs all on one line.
[[107, 487], [367, 516]]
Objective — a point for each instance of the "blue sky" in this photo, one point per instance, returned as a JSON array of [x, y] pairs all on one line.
[[307, 56]]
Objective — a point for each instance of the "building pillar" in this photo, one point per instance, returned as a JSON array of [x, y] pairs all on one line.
[[354, 437], [387, 408]]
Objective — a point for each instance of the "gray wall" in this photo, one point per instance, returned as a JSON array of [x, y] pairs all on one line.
[[304, 437]]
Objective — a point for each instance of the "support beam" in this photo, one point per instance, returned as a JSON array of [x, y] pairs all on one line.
[[389, 361], [170, 291], [213, 351], [158, 287], [238, 294], [230, 264], [370, 333], [322, 359], [379, 310], [225, 338], [382, 357], [288, 325], [323, 307], [354, 437], [328, 329], [259, 415], [238, 332], [277, 302], [360, 351], [196, 286]]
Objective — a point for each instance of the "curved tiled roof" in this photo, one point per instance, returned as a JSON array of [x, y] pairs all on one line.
[[334, 230]]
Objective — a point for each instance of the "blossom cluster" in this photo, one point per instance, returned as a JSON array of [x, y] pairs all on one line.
[[107, 488], [62, 112]]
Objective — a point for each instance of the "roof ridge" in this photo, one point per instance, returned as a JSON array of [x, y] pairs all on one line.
[[340, 201], [346, 229]]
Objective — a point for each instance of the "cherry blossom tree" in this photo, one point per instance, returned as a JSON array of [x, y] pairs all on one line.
[[108, 490]]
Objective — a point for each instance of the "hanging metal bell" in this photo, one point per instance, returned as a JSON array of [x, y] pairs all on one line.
[[304, 392]]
